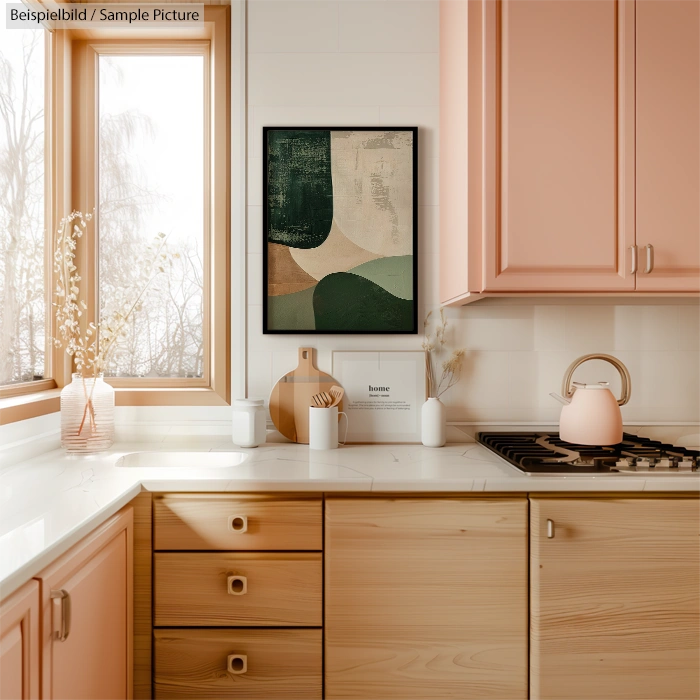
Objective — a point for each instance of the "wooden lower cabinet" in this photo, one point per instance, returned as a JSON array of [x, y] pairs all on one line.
[[86, 629], [615, 598], [19, 644], [269, 664], [271, 589], [426, 598]]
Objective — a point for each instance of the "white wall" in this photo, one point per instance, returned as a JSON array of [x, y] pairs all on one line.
[[376, 63], [348, 63]]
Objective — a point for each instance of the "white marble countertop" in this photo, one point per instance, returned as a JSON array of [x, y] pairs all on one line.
[[49, 503]]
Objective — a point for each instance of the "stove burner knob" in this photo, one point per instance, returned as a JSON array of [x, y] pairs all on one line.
[[644, 462], [666, 463], [624, 463]]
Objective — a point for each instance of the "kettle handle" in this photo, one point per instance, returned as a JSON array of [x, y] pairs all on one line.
[[568, 391]]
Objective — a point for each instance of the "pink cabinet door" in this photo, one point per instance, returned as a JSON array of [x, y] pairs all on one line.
[[19, 644], [558, 191], [87, 621], [668, 144]]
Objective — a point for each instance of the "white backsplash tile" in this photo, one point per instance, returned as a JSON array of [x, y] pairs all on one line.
[[342, 79], [588, 328], [255, 229], [549, 328], [689, 328], [379, 66], [428, 229], [255, 181], [389, 26], [280, 26], [255, 274]]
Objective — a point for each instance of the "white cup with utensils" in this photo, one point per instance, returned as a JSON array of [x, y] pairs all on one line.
[[323, 428]]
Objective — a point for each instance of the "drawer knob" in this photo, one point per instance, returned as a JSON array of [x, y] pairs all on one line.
[[238, 523], [237, 664], [237, 585]]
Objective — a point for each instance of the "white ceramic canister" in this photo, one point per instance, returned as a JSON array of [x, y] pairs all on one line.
[[323, 428], [249, 422]]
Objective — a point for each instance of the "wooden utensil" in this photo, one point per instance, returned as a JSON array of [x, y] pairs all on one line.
[[322, 400], [293, 394], [337, 392]]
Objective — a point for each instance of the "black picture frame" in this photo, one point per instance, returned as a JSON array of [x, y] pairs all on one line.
[[265, 206]]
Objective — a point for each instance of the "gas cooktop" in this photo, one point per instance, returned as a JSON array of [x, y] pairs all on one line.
[[539, 454]]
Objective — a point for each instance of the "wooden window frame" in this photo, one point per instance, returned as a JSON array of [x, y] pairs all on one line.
[[63, 170], [48, 383], [213, 389]]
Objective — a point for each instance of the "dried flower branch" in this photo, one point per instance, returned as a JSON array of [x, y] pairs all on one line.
[[434, 346], [91, 346]]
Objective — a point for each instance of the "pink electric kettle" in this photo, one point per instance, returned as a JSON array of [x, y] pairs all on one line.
[[591, 414]]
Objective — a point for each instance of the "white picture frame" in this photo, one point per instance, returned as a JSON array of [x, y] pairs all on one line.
[[384, 394]]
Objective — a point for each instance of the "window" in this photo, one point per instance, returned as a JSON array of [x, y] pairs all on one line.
[[24, 361], [150, 156], [151, 140]]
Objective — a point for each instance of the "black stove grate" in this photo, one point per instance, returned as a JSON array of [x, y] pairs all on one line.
[[543, 452]]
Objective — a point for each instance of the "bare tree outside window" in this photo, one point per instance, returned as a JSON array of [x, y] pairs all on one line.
[[151, 180], [22, 228]]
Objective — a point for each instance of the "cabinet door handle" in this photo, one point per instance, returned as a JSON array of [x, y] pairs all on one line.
[[550, 529], [650, 259], [61, 607], [635, 259], [238, 523], [237, 585], [237, 664]]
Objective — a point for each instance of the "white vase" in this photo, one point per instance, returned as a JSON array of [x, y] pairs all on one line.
[[433, 423], [87, 414]]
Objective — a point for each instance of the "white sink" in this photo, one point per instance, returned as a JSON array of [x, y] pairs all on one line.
[[189, 460]]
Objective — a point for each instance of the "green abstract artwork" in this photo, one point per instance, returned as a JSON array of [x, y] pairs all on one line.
[[339, 222]]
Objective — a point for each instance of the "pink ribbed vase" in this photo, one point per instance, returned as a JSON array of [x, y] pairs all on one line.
[[87, 414]]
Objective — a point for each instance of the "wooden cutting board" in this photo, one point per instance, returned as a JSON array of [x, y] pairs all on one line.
[[291, 397]]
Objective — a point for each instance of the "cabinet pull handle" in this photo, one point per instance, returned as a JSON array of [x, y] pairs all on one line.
[[237, 585], [550, 529], [238, 523], [650, 259], [61, 605], [635, 259], [237, 664]]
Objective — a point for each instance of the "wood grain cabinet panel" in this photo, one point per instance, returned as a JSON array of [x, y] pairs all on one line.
[[94, 660], [668, 143], [270, 589], [426, 598], [615, 599], [19, 644], [279, 664], [235, 523]]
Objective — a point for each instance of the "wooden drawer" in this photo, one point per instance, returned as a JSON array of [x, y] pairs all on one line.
[[234, 523], [267, 589], [280, 664]]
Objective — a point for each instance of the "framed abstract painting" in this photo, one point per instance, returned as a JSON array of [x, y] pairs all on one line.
[[340, 229]]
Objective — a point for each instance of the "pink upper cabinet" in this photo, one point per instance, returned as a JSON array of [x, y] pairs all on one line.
[[550, 172], [668, 144]]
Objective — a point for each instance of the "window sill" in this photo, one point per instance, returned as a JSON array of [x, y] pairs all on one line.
[[148, 396], [25, 406]]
